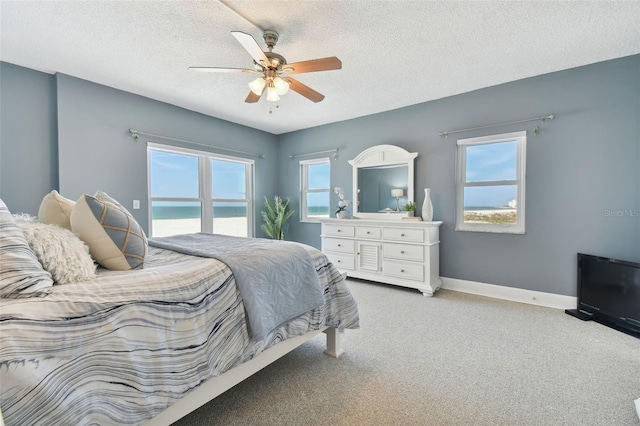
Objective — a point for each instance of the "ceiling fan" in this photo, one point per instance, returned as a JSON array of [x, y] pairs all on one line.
[[274, 70]]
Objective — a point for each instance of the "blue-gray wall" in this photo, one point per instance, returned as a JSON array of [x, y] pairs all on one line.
[[64, 133], [583, 179], [97, 151], [28, 137], [583, 174]]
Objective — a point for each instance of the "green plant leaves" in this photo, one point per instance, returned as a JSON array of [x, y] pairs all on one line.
[[276, 217]]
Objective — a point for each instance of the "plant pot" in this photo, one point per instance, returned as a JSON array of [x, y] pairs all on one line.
[[410, 213], [341, 214]]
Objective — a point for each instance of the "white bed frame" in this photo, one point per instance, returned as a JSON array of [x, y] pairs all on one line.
[[217, 385]]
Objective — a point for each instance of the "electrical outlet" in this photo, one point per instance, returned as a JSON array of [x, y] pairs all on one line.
[[136, 204]]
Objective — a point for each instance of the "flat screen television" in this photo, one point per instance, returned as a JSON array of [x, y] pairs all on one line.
[[609, 292]]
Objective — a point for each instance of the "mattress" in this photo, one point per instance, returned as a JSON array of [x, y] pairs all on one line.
[[123, 347]]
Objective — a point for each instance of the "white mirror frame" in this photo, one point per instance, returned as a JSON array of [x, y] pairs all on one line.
[[383, 155]]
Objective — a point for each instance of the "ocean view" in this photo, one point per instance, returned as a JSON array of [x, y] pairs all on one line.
[[193, 212], [163, 215], [476, 208], [173, 220], [317, 211]]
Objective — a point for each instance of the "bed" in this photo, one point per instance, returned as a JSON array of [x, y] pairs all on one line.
[[148, 344]]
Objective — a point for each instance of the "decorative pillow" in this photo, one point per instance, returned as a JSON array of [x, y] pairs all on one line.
[[116, 241], [56, 209], [21, 275], [59, 251]]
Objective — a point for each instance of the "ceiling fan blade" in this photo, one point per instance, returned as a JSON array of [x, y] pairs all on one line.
[[253, 98], [251, 46], [304, 90], [323, 64], [220, 69]]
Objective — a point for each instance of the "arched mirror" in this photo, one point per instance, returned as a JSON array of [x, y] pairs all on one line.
[[382, 182]]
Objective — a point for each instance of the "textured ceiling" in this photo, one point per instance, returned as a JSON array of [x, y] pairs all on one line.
[[394, 53]]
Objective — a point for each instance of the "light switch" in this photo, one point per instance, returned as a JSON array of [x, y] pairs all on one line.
[[136, 204]]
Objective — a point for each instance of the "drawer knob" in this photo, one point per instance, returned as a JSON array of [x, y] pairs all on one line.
[[402, 252], [339, 261], [339, 230], [368, 232], [339, 245], [402, 235], [401, 270]]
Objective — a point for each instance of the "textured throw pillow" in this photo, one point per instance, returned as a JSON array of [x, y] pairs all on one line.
[[116, 241], [21, 275], [55, 209], [59, 251]]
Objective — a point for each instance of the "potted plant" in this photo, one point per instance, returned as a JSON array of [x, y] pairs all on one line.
[[410, 208], [276, 217]]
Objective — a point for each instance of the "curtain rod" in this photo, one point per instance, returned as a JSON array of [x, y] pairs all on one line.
[[334, 150], [546, 117], [136, 134]]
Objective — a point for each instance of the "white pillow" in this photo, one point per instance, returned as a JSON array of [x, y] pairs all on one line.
[[56, 209], [116, 241], [59, 251], [21, 275]]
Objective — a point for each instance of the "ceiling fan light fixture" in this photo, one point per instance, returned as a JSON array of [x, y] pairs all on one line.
[[272, 94], [280, 85], [257, 85]]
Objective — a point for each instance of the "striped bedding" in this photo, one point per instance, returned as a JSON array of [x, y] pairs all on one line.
[[121, 348]]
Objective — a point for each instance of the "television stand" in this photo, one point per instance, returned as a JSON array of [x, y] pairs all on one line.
[[584, 316]]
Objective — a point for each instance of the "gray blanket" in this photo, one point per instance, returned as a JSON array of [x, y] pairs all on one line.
[[276, 279]]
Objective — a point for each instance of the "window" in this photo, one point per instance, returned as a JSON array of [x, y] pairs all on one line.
[[490, 187], [193, 191], [315, 183]]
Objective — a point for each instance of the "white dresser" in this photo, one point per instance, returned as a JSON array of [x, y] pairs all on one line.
[[395, 252]]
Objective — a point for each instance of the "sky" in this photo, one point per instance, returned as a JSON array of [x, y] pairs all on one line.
[[491, 162], [176, 175]]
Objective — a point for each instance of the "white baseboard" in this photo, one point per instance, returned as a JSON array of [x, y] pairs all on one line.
[[531, 297]]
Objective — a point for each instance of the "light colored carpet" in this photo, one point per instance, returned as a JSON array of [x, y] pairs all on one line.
[[454, 359]]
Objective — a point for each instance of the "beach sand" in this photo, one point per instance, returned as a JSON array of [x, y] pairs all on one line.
[[496, 211], [501, 216], [234, 226]]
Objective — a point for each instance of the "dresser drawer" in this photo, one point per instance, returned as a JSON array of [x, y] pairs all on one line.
[[339, 230], [403, 252], [371, 232], [404, 270], [404, 234], [342, 261], [339, 244]]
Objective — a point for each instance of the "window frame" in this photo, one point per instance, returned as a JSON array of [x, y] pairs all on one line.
[[304, 188], [205, 197], [461, 183]]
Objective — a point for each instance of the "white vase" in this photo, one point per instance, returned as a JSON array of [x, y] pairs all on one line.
[[427, 207], [341, 214]]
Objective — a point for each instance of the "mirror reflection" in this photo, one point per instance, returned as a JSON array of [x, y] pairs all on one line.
[[382, 189]]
